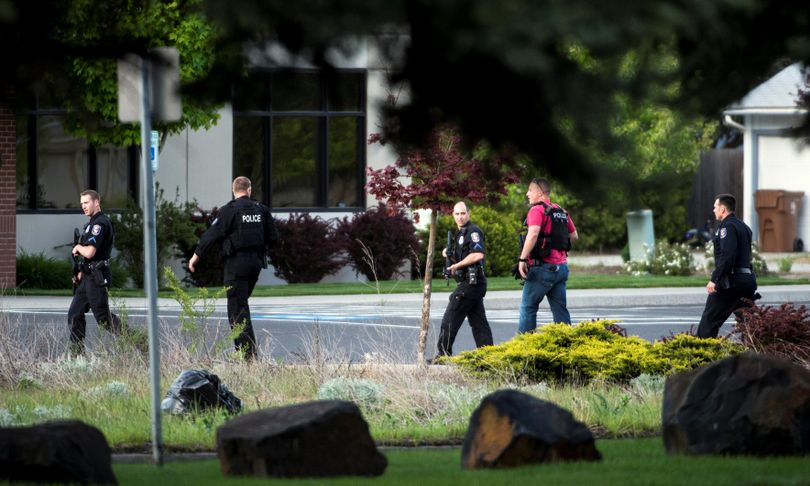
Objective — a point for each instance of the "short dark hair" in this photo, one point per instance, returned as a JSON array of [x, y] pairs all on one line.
[[728, 201], [93, 194], [543, 184]]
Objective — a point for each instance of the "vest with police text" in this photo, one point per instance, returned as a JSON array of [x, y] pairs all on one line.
[[553, 234], [249, 231]]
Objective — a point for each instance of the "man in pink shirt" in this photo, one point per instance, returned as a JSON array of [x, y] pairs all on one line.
[[543, 261]]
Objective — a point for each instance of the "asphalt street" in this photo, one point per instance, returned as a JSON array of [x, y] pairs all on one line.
[[357, 328]]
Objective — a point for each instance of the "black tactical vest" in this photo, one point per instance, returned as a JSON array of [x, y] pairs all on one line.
[[556, 237], [249, 227]]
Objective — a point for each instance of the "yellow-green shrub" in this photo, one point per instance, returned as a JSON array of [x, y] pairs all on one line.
[[589, 351], [683, 352]]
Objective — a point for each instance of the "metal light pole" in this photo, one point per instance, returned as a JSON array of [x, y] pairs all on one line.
[[150, 259], [148, 88]]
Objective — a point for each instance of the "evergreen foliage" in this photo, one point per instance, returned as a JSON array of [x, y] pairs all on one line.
[[176, 230], [37, 271], [589, 351]]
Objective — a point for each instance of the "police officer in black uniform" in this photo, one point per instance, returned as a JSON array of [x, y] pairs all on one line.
[[94, 277], [245, 229], [733, 284], [467, 301]]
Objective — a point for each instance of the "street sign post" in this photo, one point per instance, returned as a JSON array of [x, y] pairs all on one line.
[[154, 150], [138, 79]]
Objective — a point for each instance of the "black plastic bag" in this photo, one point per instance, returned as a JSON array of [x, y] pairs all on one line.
[[198, 390]]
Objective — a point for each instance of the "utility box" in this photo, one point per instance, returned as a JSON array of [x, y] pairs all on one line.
[[640, 234], [778, 212]]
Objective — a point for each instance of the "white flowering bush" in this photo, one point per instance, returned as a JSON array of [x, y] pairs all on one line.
[[760, 266], [360, 391], [665, 259]]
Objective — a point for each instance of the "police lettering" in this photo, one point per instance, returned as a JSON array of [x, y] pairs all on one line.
[[251, 218]]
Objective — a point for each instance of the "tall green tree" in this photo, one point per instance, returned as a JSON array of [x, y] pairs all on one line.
[[68, 52], [500, 71], [504, 71]]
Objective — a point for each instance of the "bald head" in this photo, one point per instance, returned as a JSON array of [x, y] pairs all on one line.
[[461, 214]]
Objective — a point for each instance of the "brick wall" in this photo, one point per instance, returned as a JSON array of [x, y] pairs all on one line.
[[8, 196]]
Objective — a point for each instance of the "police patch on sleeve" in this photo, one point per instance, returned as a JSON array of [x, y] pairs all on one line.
[[96, 229], [475, 237], [723, 232]]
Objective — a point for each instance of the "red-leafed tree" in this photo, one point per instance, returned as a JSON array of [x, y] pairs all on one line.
[[435, 178]]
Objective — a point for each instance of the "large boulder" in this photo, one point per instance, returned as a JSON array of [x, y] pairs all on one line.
[[511, 428], [748, 404], [55, 452], [314, 439]]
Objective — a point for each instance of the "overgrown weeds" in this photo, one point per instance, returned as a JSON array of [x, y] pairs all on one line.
[[109, 388]]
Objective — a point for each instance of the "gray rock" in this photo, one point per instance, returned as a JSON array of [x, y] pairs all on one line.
[[511, 428], [314, 439], [56, 452], [748, 404]]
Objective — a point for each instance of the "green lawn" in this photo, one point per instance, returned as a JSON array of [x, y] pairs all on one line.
[[626, 461], [577, 280]]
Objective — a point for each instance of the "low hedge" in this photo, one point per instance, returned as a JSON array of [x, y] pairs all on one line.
[[589, 351], [37, 271]]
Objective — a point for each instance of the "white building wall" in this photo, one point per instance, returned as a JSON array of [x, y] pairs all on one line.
[[49, 234], [198, 164], [773, 161], [785, 164]]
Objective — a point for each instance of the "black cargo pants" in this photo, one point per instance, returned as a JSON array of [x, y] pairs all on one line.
[[241, 273], [467, 301], [90, 296]]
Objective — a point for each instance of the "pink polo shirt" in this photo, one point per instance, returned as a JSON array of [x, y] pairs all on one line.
[[537, 217]]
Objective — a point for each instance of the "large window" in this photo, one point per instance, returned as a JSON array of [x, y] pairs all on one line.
[[53, 167], [300, 137]]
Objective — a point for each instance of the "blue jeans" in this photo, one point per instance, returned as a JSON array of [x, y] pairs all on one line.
[[544, 280]]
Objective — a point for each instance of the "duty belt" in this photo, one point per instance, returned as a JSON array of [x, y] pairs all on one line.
[[92, 266], [741, 270]]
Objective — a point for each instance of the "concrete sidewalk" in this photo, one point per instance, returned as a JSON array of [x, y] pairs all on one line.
[[622, 297]]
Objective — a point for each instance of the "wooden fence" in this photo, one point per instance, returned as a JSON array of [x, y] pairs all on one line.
[[721, 170]]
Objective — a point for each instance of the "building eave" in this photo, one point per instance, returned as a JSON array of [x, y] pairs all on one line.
[[765, 111]]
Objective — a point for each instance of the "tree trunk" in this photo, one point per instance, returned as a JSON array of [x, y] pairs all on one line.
[[427, 290]]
